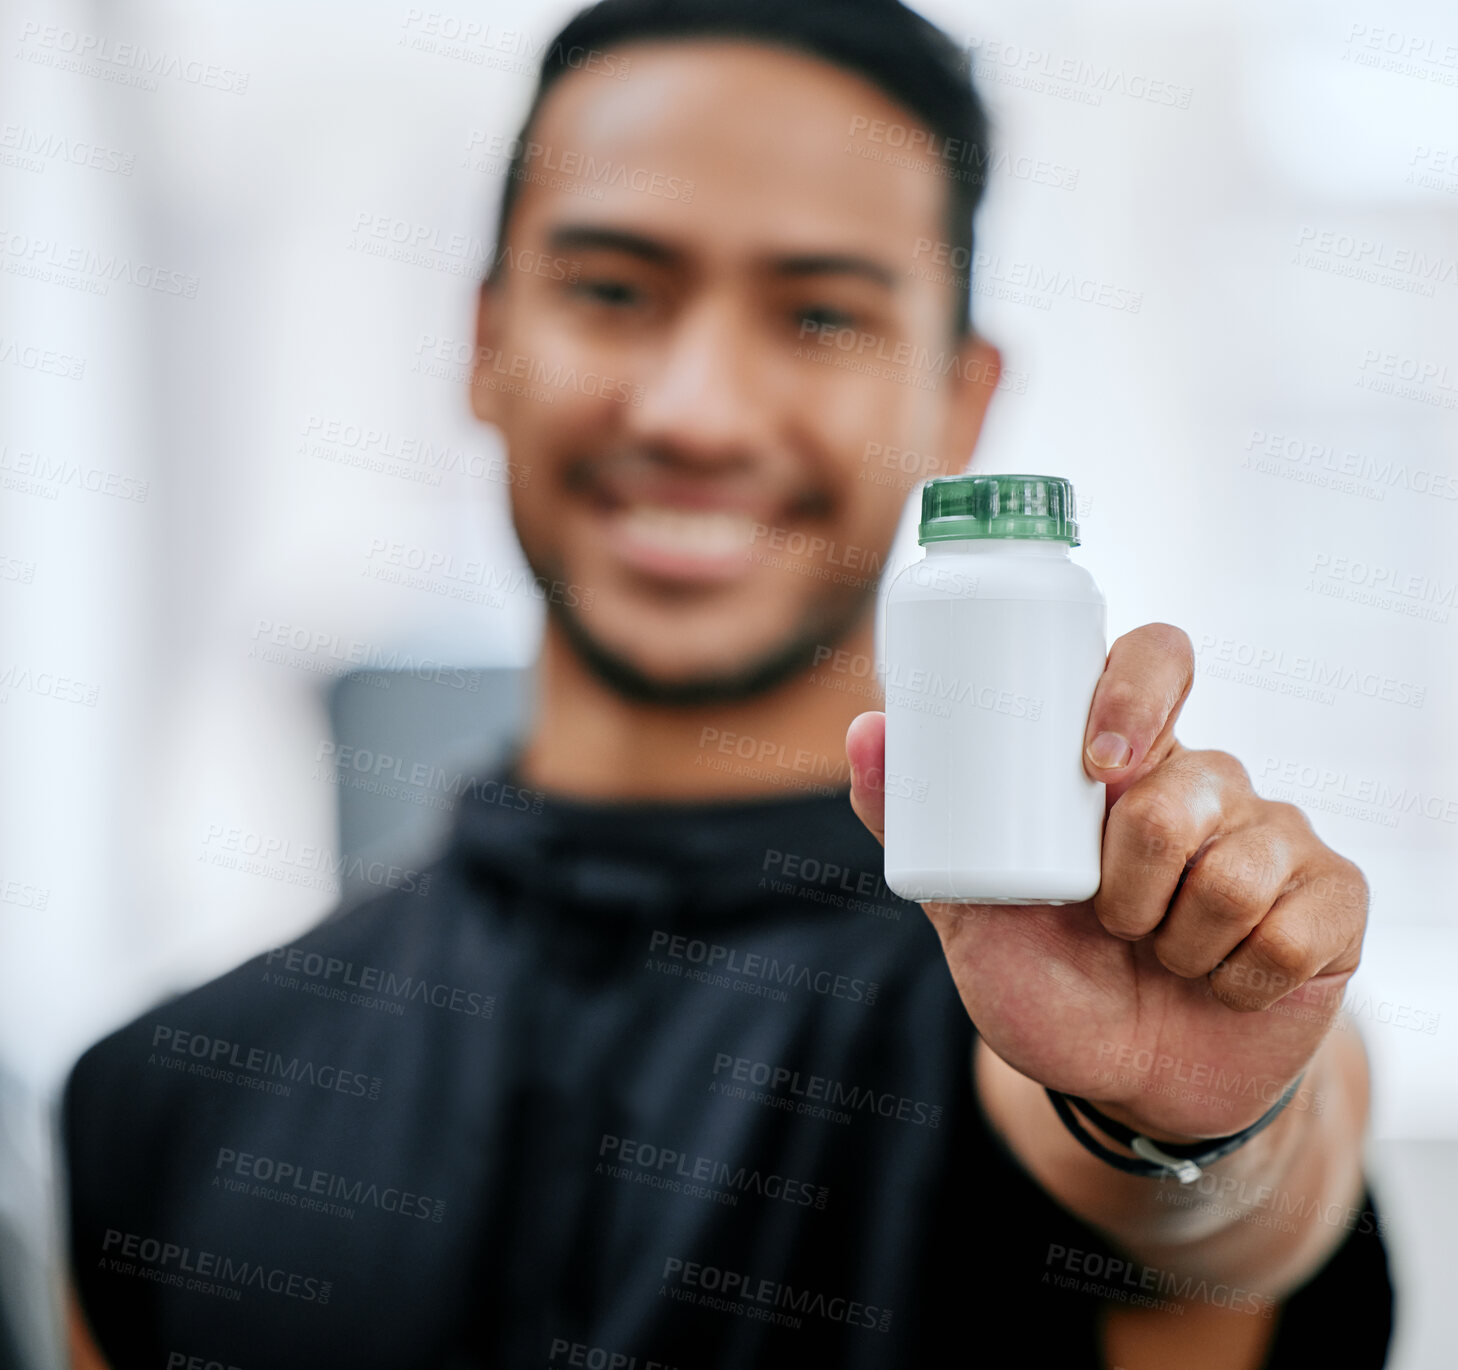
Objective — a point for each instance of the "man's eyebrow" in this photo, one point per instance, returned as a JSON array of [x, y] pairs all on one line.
[[565, 237], [837, 264]]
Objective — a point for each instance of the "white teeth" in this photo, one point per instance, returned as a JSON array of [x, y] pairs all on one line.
[[694, 532]]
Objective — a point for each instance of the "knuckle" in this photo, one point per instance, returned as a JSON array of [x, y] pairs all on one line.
[[1350, 957], [1234, 898], [1244, 977], [1168, 638], [1290, 816], [1261, 866], [1121, 923], [1118, 912], [1281, 950], [1122, 698], [1176, 642], [1156, 822], [1356, 886], [1339, 884], [1178, 959], [1222, 766]]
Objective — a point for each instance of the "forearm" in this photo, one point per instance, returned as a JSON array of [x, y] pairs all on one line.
[[83, 1352], [1265, 1217]]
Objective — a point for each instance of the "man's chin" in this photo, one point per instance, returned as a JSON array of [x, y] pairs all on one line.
[[760, 672]]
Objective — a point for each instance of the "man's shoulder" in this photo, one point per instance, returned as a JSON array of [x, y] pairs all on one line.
[[231, 1027]]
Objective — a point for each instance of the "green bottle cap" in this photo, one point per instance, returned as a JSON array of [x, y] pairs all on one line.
[[998, 506]]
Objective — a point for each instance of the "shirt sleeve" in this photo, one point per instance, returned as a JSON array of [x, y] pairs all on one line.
[[1344, 1314]]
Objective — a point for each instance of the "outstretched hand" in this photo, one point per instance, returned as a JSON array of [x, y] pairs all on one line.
[[1203, 975]]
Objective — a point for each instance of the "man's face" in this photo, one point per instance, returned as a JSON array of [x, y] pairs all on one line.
[[710, 329]]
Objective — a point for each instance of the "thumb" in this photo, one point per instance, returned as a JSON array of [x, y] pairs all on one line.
[[865, 749], [1131, 719]]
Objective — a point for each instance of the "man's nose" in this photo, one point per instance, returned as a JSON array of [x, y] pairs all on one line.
[[703, 401]]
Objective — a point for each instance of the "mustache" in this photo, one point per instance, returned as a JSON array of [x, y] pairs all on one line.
[[623, 473]]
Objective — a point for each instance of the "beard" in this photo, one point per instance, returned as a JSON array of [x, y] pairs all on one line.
[[757, 676], [823, 625]]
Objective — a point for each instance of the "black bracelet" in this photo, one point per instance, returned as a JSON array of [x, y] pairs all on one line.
[[1183, 1160]]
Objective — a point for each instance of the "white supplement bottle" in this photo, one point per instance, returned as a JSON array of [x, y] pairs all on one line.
[[995, 641]]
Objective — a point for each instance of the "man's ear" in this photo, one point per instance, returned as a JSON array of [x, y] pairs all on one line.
[[488, 330], [979, 367]]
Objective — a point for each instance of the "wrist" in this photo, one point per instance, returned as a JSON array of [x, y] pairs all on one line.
[[1135, 1152], [1133, 1118], [1166, 1111]]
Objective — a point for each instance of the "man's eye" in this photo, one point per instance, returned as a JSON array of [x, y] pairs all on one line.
[[609, 292], [824, 316]]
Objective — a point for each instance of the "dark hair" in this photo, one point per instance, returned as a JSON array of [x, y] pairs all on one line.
[[892, 47]]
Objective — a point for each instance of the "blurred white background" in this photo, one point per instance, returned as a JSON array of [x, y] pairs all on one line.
[[1265, 449]]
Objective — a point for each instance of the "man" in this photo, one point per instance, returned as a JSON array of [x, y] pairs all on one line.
[[653, 1070]]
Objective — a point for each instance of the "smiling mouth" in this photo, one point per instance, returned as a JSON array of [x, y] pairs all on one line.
[[674, 542], [682, 528]]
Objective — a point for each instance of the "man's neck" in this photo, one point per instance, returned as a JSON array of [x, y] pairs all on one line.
[[587, 742]]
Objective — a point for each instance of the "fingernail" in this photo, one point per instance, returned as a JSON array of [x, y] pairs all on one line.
[[1109, 751]]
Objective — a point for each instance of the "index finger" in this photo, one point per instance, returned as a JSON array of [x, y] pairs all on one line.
[[865, 749], [1140, 694]]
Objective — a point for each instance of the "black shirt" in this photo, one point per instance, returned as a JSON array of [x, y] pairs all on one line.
[[616, 1086]]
